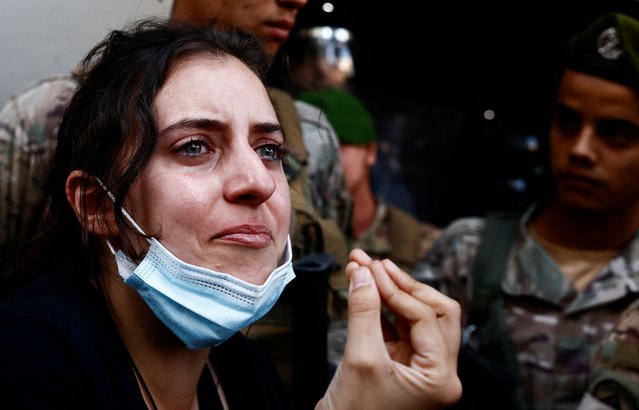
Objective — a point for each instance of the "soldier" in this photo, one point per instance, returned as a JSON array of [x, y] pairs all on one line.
[[379, 228], [540, 291]]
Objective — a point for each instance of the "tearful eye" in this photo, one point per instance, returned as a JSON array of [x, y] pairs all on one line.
[[270, 152], [193, 148]]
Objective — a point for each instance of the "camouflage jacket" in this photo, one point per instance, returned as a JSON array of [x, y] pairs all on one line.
[[28, 127], [324, 168], [556, 331], [614, 377], [397, 235], [393, 234]]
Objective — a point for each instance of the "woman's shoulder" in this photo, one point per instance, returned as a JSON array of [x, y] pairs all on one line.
[[49, 297], [66, 309], [60, 347]]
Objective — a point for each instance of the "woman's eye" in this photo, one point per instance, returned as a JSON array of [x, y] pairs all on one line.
[[270, 152], [193, 148]]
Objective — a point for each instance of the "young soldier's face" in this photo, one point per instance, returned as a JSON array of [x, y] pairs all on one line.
[[269, 20], [594, 141]]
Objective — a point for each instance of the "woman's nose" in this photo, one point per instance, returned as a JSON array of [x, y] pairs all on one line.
[[248, 179]]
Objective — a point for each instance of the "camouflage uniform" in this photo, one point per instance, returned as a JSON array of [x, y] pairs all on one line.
[[324, 166], [397, 235], [616, 363], [28, 127], [303, 196], [555, 330], [393, 234]]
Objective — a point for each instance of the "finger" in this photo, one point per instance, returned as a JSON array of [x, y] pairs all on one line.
[[365, 339], [350, 267], [359, 256], [447, 309], [425, 334]]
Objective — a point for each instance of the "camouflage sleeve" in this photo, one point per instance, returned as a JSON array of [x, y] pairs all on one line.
[[324, 165], [29, 124], [448, 264], [614, 379]]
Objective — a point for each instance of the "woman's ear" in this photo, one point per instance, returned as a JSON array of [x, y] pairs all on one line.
[[96, 217]]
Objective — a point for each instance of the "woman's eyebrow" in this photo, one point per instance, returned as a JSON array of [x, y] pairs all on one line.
[[268, 127], [209, 124], [194, 123]]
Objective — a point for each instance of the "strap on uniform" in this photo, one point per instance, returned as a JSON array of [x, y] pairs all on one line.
[[489, 363], [499, 233]]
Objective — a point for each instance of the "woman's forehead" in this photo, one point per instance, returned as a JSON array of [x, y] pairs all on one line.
[[205, 85], [204, 68]]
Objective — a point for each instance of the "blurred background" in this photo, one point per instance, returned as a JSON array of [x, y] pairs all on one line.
[[461, 90], [42, 38]]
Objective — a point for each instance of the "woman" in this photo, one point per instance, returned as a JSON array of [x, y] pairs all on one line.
[[166, 232]]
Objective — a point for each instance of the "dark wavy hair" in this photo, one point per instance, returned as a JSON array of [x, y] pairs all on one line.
[[109, 131]]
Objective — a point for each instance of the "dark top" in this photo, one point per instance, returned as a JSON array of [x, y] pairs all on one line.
[[59, 349]]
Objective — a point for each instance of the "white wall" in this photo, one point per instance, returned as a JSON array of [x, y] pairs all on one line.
[[40, 38]]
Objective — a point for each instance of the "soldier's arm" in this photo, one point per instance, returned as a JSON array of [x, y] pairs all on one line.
[[614, 378], [29, 124]]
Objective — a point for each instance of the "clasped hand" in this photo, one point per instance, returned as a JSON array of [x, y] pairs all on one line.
[[410, 363]]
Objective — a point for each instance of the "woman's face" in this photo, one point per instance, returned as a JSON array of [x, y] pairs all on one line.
[[214, 188]]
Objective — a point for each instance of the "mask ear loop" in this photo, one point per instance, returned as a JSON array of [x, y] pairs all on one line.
[[124, 212], [138, 375]]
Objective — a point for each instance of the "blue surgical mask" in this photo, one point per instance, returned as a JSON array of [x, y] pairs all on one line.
[[202, 307]]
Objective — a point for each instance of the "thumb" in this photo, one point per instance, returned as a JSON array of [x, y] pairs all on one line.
[[364, 307]]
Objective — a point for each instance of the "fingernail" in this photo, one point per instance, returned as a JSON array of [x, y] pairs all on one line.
[[361, 277]]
